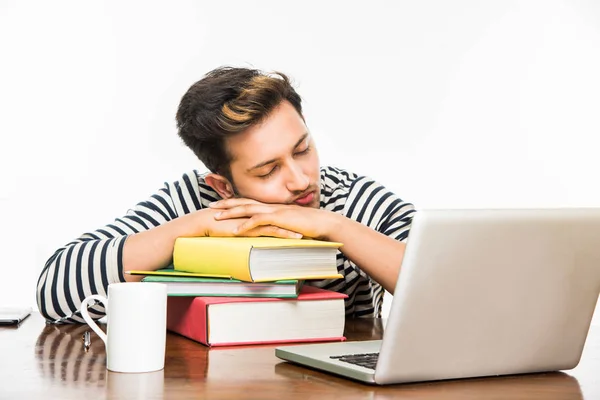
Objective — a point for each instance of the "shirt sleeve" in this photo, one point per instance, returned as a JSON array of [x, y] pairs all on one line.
[[371, 204], [88, 264]]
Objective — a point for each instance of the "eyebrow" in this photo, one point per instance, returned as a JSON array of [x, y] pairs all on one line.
[[262, 164]]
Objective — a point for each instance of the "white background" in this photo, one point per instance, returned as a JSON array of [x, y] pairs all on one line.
[[448, 103]]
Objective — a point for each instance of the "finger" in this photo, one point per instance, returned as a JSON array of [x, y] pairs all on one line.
[[263, 219], [233, 202], [245, 210], [272, 231]]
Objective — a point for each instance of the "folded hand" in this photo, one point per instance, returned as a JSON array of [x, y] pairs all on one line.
[[305, 221]]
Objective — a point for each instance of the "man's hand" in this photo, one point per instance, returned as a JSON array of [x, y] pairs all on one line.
[[308, 222], [153, 249], [231, 227]]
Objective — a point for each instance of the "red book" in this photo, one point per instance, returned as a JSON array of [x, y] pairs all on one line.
[[315, 315]]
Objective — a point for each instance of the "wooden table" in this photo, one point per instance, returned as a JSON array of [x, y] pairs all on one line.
[[40, 361]]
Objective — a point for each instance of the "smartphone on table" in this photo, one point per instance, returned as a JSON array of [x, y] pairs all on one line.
[[13, 315]]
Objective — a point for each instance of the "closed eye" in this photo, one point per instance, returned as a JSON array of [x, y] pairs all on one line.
[[274, 169], [306, 150], [268, 174]]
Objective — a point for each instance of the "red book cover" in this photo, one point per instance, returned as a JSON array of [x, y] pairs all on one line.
[[188, 316]]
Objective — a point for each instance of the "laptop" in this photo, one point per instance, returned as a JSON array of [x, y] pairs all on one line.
[[480, 293]]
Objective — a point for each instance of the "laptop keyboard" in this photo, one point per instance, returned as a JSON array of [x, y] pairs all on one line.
[[367, 360]]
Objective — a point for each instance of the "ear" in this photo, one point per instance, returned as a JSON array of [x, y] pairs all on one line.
[[220, 184]]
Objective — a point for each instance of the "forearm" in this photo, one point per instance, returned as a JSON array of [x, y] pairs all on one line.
[[92, 262], [84, 267], [153, 249], [375, 253]]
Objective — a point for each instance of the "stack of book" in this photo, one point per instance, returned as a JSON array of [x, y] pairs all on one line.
[[235, 291]]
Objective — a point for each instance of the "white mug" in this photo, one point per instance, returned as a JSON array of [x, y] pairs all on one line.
[[136, 386], [136, 331]]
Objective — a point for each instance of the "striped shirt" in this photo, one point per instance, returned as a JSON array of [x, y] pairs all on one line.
[[91, 262]]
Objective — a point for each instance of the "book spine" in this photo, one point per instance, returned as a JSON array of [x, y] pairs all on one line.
[[224, 259], [187, 316]]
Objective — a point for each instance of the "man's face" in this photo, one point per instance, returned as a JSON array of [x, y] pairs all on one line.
[[276, 161]]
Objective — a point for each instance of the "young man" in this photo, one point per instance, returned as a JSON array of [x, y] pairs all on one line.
[[247, 128]]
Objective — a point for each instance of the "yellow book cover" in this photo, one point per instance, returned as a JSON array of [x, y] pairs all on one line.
[[259, 259]]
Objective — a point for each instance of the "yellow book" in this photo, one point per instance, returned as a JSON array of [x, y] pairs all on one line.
[[259, 259]]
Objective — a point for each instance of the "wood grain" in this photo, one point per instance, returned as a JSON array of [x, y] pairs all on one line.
[[42, 361]]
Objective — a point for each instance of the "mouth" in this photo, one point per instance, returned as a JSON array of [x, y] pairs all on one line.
[[305, 198]]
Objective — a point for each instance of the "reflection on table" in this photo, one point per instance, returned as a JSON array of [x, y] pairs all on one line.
[[49, 361]]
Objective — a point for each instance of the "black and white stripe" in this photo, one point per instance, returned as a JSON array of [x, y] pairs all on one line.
[[363, 200], [90, 263], [62, 360]]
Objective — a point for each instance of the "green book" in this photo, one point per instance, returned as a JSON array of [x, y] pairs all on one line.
[[211, 287]]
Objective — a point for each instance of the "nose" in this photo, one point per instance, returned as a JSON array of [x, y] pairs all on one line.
[[297, 180]]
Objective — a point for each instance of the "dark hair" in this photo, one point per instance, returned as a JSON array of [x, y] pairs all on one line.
[[227, 101]]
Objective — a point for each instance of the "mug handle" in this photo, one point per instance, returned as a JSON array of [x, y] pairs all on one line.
[[86, 316]]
